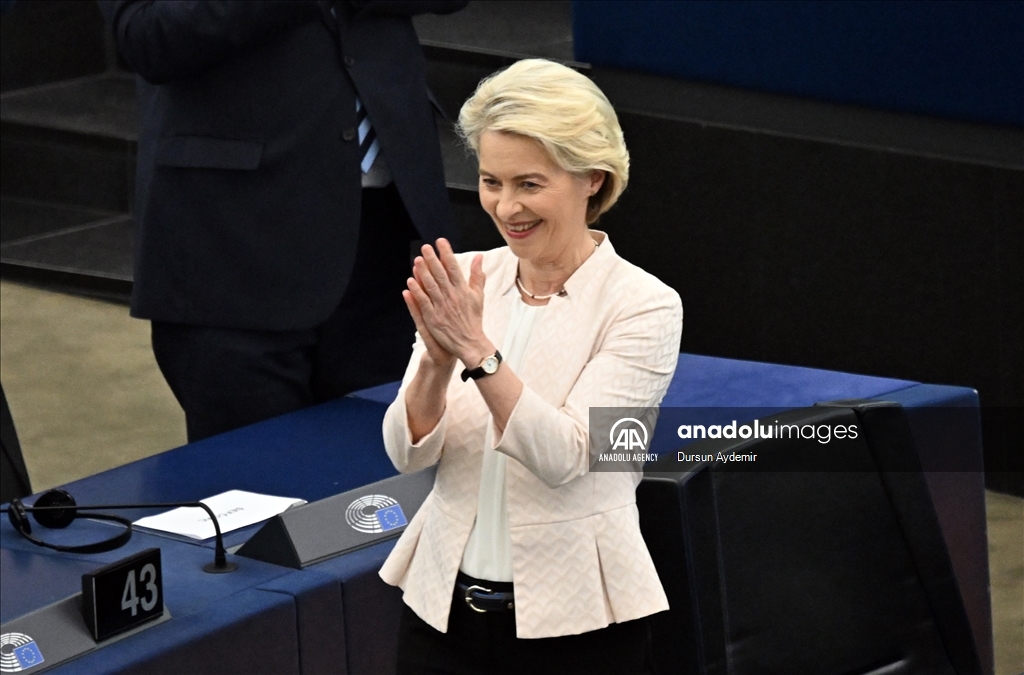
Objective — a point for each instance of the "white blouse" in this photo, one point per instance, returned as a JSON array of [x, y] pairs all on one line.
[[488, 553]]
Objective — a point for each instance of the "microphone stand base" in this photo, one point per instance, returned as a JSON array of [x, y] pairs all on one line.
[[213, 569]]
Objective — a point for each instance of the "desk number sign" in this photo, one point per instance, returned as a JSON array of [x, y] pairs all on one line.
[[123, 595]]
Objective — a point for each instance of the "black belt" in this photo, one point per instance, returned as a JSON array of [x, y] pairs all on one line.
[[483, 599]]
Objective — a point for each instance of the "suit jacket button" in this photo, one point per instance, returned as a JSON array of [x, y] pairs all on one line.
[[348, 134], [349, 61]]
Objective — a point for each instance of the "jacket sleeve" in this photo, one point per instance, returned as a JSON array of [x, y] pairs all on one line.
[[632, 368], [166, 40], [406, 455]]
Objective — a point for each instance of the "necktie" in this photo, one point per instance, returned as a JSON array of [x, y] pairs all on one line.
[[369, 146]]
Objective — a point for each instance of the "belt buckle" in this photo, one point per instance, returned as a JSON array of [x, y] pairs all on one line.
[[469, 597]]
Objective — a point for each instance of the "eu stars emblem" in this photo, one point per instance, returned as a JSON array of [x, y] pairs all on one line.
[[29, 655], [391, 517]]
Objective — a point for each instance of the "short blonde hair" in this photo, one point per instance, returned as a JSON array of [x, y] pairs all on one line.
[[562, 110]]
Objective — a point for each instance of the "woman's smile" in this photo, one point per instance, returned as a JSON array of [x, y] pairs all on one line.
[[521, 229]]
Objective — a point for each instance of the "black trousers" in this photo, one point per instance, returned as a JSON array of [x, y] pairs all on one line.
[[486, 644], [227, 378]]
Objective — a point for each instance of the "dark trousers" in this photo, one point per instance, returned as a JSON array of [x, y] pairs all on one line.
[[227, 378], [486, 644]]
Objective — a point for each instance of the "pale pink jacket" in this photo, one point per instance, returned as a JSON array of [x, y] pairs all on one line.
[[579, 562]]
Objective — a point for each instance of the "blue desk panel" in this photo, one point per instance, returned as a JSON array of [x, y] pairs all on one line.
[[249, 633], [342, 616], [320, 619], [946, 425], [310, 454], [354, 596], [210, 613]]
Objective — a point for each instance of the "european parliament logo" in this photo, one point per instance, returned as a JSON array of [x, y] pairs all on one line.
[[374, 514], [18, 652]]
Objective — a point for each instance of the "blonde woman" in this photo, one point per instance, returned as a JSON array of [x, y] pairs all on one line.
[[520, 558]]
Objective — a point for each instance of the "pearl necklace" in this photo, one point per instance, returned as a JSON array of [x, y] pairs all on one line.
[[519, 283], [560, 294]]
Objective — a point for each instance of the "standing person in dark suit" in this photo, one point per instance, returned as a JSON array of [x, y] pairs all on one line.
[[288, 156]]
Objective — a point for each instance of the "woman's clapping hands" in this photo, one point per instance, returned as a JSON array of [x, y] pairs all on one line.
[[447, 309]]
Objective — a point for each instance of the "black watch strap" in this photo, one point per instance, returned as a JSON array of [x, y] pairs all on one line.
[[481, 370]]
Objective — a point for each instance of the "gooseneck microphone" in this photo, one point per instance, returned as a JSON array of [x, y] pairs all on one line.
[[56, 509]]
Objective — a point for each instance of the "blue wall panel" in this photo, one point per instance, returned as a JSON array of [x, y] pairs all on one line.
[[951, 59]]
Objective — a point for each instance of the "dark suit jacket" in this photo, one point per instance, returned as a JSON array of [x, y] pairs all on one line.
[[248, 180]]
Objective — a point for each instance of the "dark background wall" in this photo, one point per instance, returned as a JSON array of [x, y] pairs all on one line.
[[42, 42], [857, 205], [820, 254]]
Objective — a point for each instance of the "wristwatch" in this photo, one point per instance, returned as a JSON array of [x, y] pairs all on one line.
[[489, 366]]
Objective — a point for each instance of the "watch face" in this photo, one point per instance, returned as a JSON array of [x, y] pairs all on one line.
[[490, 365]]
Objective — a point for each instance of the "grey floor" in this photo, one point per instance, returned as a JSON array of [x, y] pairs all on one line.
[[86, 395]]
